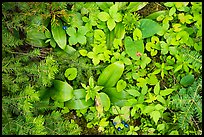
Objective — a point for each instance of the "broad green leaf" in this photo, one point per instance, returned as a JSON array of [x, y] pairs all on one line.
[[113, 10], [121, 84], [145, 61], [161, 99], [62, 91], [73, 40], [133, 47], [69, 50], [178, 68], [174, 132], [71, 31], [105, 101], [141, 82], [152, 79], [135, 6], [112, 92], [172, 11], [111, 24], [155, 115], [187, 80], [166, 92], [133, 92], [78, 104], [117, 17], [83, 52], [79, 94], [116, 110], [103, 16], [160, 127], [48, 33], [137, 34], [144, 90], [157, 71], [157, 88], [149, 27], [71, 73], [119, 31], [59, 34], [81, 39], [98, 34], [82, 30], [53, 43], [158, 107], [148, 109], [156, 14]]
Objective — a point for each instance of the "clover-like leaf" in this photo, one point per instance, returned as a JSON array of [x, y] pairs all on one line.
[[71, 73]]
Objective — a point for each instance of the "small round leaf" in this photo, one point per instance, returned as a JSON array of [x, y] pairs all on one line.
[[71, 73]]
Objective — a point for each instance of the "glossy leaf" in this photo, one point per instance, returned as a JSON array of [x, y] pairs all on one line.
[[105, 101], [59, 34], [62, 91], [111, 24], [135, 6], [111, 74], [133, 92]]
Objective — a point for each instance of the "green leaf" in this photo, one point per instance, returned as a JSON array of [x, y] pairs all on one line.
[[137, 34], [78, 104], [144, 90], [159, 107], [69, 50], [166, 92], [59, 34], [103, 16], [187, 80], [160, 127], [105, 100], [149, 27], [79, 94], [157, 88], [71, 73], [83, 52], [73, 40], [155, 115], [71, 31], [178, 68], [53, 43], [119, 31], [133, 92], [156, 14], [174, 132], [133, 47], [111, 74], [91, 82], [135, 6], [157, 71], [121, 85], [148, 109], [48, 33], [161, 99], [145, 61], [172, 11], [111, 24], [117, 17], [113, 10], [82, 30], [62, 91], [81, 39]]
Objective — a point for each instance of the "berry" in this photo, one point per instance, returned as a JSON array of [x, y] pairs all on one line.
[[114, 123], [126, 125], [64, 27], [119, 128], [123, 122]]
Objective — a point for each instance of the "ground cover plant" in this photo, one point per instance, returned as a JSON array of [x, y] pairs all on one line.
[[108, 68]]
